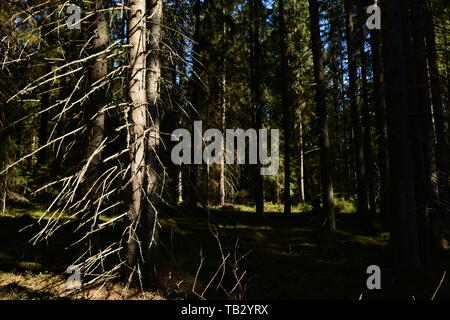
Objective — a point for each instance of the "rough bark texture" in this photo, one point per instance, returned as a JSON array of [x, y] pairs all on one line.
[[137, 140], [154, 170], [98, 71]]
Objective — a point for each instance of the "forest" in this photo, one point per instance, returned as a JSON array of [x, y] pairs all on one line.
[[224, 149]]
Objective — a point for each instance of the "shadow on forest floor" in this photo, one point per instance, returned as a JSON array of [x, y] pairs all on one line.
[[282, 257]]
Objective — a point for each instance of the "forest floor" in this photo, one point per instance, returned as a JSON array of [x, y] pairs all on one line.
[[267, 257]]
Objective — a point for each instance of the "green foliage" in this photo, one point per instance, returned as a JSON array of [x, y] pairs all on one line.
[[345, 206]]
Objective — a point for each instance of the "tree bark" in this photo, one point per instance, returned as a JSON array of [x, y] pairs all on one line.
[[380, 115], [223, 110], [361, 179], [301, 162], [366, 123], [98, 70], [285, 101], [255, 84], [325, 156], [137, 142], [402, 202], [154, 170]]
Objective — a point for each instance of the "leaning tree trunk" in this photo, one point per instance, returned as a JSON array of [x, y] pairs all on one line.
[[325, 155]]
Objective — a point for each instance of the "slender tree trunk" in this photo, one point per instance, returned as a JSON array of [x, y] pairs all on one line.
[[43, 125], [255, 80], [284, 76], [380, 115], [223, 110], [366, 123], [361, 179], [191, 173], [325, 156], [137, 142], [95, 120], [154, 170], [301, 162], [97, 72]]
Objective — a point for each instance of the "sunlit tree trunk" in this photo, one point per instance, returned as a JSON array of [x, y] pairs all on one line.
[[154, 170], [137, 140]]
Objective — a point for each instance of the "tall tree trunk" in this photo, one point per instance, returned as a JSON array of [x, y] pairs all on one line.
[[301, 162], [223, 109], [426, 190], [366, 123], [137, 39], [43, 125], [98, 70], [95, 118], [154, 170], [190, 176], [285, 101], [380, 115], [442, 148], [402, 202], [361, 179], [325, 156], [255, 80]]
